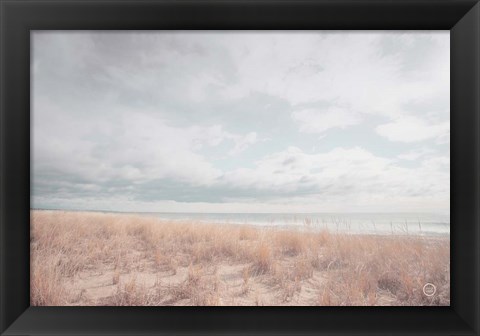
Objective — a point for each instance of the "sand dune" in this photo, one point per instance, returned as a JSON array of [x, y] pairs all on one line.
[[81, 258]]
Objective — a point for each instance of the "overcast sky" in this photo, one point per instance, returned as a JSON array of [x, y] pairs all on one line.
[[241, 122]]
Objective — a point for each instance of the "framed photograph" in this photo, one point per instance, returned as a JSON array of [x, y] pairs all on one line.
[[234, 157]]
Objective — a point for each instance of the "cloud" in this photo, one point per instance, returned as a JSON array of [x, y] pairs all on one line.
[[137, 147], [319, 121], [243, 142], [414, 129], [415, 154], [215, 135], [343, 178], [352, 70], [345, 174]]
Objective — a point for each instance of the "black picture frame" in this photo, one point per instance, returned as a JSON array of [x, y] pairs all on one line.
[[19, 17]]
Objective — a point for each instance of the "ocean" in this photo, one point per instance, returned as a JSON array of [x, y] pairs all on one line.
[[369, 223]]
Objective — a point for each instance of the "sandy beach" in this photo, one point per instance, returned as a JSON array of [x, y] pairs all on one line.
[[101, 259]]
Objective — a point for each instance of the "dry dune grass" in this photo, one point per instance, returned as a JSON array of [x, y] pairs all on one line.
[[80, 258]]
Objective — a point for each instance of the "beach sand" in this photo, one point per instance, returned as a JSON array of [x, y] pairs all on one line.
[[106, 259]]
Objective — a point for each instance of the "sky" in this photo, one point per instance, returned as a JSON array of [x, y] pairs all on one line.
[[305, 121]]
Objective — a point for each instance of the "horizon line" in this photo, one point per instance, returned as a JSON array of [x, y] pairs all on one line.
[[253, 213]]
